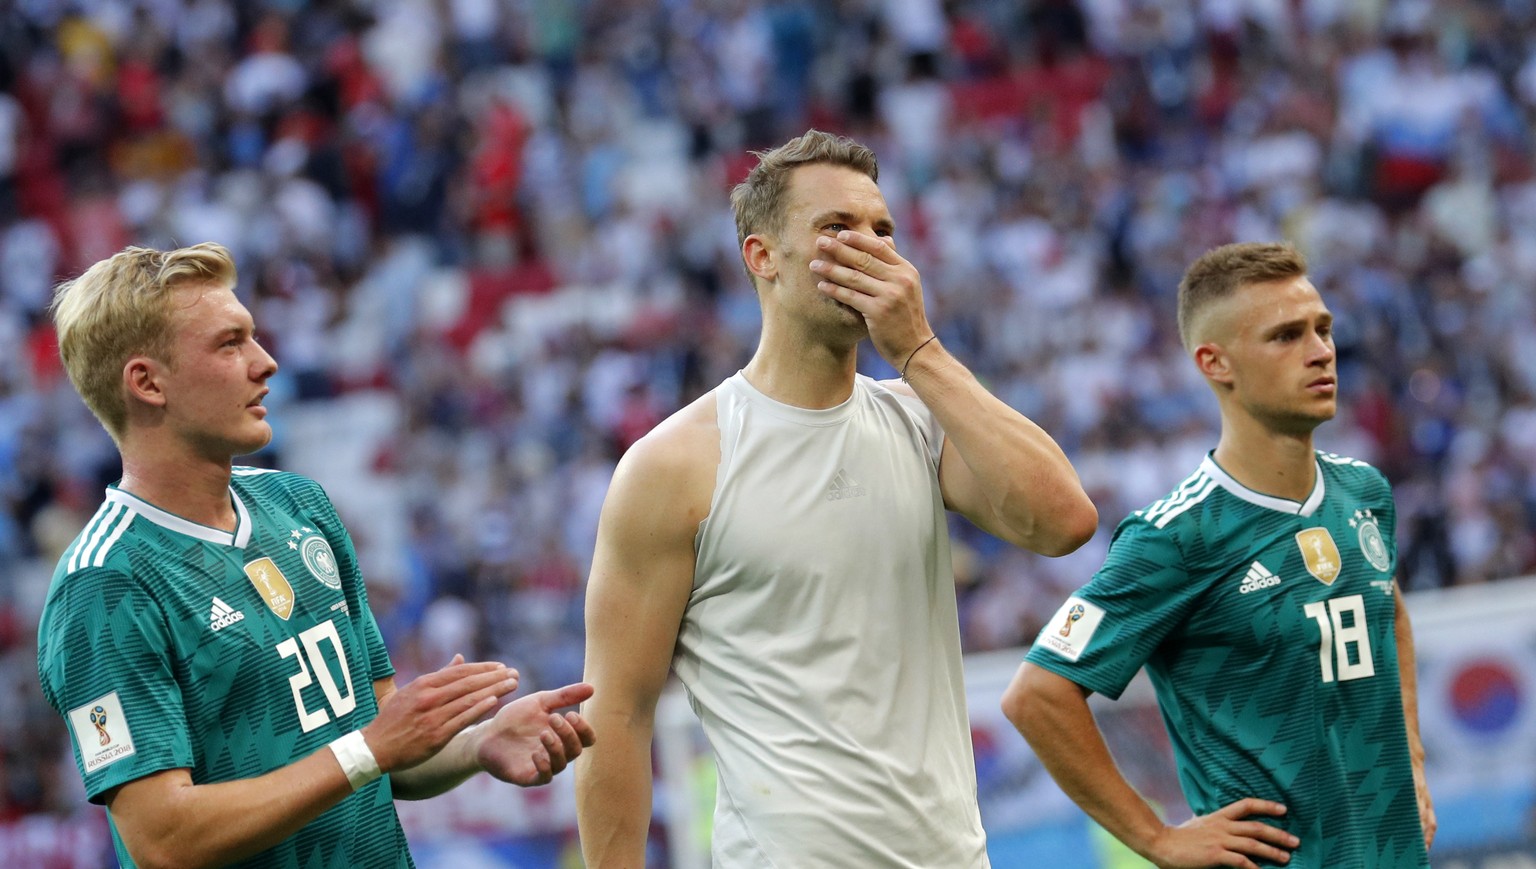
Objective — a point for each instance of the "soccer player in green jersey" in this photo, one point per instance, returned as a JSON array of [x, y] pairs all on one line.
[[207, 637], [1260, 597]]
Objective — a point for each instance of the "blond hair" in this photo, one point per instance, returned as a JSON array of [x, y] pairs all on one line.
[[121, 307], [1220, 271], [758, 201]]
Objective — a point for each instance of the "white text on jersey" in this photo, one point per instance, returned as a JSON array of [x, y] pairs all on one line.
[[223, 615], [1258, 578]]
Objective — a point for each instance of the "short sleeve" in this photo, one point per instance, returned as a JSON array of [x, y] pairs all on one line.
[[379, 665], [1106, 631], [105, 660], [352, 585], [1387, 517]]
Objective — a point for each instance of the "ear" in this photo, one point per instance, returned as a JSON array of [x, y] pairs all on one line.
[[760, 255], [141, 379], [1212, 360]]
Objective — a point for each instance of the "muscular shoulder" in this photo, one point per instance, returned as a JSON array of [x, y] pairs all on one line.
[[673, 467], [896, 391]]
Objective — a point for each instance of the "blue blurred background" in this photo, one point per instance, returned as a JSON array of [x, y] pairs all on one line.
[[489, 242]]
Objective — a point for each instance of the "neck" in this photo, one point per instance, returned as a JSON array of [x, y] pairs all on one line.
[[1268, 461], [802, 372], [194, 488]]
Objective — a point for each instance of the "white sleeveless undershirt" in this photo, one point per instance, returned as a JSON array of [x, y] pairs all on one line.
[[820, 647]]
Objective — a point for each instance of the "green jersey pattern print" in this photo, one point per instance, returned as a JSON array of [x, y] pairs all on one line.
[[1267, 628], [166, 644]]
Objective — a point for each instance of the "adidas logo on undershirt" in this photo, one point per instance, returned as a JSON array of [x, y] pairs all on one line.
[[1257, 578], [223, 615], [843, 487]]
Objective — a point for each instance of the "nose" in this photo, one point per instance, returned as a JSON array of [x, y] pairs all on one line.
[[263, 364], [1322, 348]]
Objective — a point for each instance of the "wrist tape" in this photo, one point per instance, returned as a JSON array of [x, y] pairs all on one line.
[[356, 759]]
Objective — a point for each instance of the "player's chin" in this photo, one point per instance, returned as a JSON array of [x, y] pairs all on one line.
[[836, 304], [1297, 420], [253, 437], [848, 315], [1315, 414]]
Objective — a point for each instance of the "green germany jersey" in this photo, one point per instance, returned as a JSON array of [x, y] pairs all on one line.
[[166, 644], [1267, 629]]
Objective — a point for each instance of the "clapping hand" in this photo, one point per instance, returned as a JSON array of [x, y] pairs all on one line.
[[528, 742]]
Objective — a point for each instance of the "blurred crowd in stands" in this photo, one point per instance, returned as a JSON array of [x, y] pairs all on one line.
[[490, 245]]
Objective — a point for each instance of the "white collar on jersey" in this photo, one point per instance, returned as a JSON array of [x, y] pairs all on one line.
[[1284, 505], [170, 521]]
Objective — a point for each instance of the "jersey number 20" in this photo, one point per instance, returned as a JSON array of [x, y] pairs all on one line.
[[340, 704], [1337, 637]]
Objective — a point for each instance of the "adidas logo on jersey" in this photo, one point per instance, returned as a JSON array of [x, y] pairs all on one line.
[[843, 486], [223, 615], [1258, 578]]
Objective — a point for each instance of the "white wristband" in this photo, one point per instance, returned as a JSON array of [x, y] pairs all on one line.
[[356, 759]]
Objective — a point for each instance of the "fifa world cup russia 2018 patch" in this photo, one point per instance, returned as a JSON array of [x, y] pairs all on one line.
[[1068, 632], [101, 732]]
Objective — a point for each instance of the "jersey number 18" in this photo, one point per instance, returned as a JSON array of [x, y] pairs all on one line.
[[1337, 637]]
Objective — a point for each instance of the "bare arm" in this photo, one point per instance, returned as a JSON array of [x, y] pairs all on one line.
[[998, 469], [642, 574], [1407, 672], [167, 820], [1052, 714]]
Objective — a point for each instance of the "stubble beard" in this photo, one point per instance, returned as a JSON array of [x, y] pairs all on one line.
[[839, 323], [1297, 419]]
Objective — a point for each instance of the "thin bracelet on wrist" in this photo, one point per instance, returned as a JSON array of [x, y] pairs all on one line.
[[914, 353]]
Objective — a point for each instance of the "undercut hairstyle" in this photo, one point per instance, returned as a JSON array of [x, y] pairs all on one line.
[[122, 307], [758, 202], [1220, 271]]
